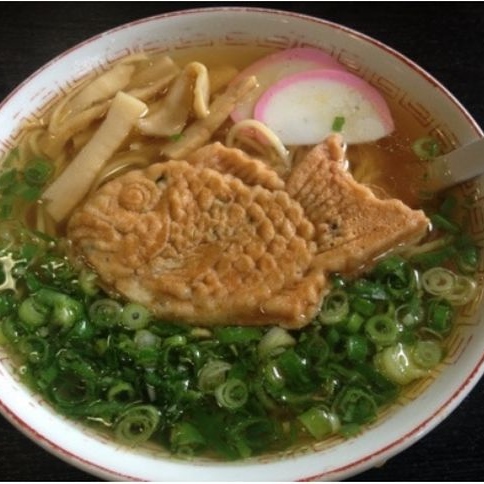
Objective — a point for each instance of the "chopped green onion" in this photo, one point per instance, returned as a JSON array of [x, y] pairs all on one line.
[[32, 313], [319, 422], [462, 292], [8, 179], [314, 348], [338, 124], [275, 341], [335, 307], [355, 405], [70, 390], [427, 354], [82, 330], [121, 392], [144, 338], [106, 312], [176, 137], [26, 192], [88, 282], [185, 439], [397, 276], [137, 424], [135, 316], [11, 329], [48, 305], [73, 362], [438, 281], [35, 348], [426, 148], [174, 341], [382, 330], [7, 302], [65, 310], [46, 376], [357, 347], [467, 258], [365, 288], [237, 334], [354, 322], [295, 370], [439, 316], [441, 222], [6, 207], [448, 205], [434, 258], [349, 430], [212, 375], [410, 314], [232, 394], [397, 364], [273, 377], [56, 270], [38, 171], [253, 433], [363, 306]]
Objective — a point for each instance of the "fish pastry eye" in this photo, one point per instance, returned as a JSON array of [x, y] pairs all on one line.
[[140, 196]]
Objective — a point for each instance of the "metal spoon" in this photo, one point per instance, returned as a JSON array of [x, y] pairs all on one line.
[[459, 165]]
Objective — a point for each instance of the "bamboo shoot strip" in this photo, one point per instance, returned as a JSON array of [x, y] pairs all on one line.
[[102, 88], [74, 182], [199, 132]]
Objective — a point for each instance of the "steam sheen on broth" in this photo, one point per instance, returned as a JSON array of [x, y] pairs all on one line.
[[227, 391]]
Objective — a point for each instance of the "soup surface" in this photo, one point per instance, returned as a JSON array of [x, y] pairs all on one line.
[[244, 384]]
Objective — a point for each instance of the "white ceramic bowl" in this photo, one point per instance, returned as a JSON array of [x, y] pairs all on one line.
[[422, 97]]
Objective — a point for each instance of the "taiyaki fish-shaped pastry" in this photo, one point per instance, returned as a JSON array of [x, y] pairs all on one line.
[[222, 239]]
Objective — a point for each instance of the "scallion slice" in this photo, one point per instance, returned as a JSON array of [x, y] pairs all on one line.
[[319, 422], [35, 348], [335, 307], [32, 313], [397, 364], [463, 291], [38, 171], [427, 354], [438, 281], [106, 312], [357, 347], [355, 405], [137, 424], [382, 330], [121, 391], [426, 148], [212, 375], [185, 439], [275, 341], [338, 124], [135, 316], [232, 394], [439, 315]]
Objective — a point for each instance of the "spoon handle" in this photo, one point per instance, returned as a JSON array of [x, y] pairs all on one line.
[[457, 166]]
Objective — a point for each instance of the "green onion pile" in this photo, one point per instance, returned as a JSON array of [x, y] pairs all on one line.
[[21, 187], [229, 392]]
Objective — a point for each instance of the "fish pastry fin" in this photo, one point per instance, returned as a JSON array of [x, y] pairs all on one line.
[[352, 225], [235, 162]]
